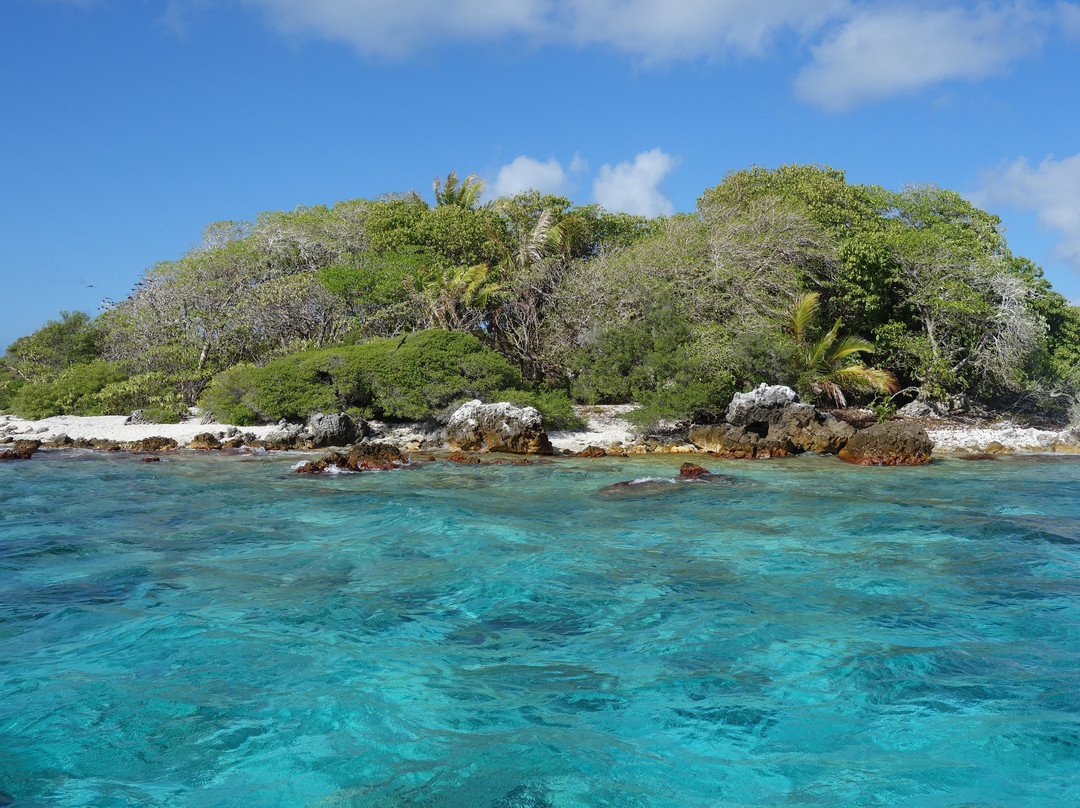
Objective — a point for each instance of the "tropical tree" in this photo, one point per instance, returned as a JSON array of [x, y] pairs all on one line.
[[465, 194], [829, 364]]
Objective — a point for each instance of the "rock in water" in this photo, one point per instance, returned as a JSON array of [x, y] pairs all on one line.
[[154, 444], [21, 450], [205, 441], [893, 443], [498, 427], [771, 421], [691, 471], [362, 457]]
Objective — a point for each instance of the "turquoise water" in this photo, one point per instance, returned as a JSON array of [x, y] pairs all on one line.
[[220, 632]]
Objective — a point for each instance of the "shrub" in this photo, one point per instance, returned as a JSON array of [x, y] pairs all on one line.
[[410, 378], [147, 391], [626, 362], [76, 391], [9, 386], [230, 395]]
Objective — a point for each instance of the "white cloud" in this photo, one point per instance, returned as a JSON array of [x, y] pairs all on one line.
[[651, 29], [678, 29], [861, 50], [524, 174], [1052, 190], [635, 187], [886, 51], [397, 28], [1070, 19]]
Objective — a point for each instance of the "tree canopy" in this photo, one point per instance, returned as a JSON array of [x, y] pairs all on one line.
[[675, 313]]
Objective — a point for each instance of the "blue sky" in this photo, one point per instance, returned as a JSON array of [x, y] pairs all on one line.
[[128, 125]]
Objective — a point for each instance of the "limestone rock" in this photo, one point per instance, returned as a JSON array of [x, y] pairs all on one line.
[[592, 451], [772, 422], [893, 443], [362, 457], [760, 404], [317, 432], [332, 429], [692, 471], [154, 444], [21, 450], [205, 441], [498, 427]]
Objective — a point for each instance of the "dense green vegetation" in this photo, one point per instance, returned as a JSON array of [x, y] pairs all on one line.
[[398, 309]]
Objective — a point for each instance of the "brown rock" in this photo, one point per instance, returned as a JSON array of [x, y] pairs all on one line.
[[691, 471], [458, 457], [154, 444], [151, 459], [591, 451], [21, 450], [204, 441], [361, 457], [772, 422], [995, 447], [893, 443]]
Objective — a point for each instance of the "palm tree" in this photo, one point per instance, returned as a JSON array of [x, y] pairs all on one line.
[[464, 195], [830, 364]]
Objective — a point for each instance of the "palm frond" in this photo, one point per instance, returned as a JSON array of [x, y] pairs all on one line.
[[848, 347], [861, 377], [801, 316]]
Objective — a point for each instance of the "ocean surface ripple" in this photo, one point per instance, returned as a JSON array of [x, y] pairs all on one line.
[[216, 631]]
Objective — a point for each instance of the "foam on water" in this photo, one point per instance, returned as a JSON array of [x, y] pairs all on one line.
[[221, 631]]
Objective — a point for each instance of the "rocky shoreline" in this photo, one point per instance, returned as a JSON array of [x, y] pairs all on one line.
[[767, 422]]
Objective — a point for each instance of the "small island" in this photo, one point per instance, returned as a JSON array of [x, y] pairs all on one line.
[[863, 301]]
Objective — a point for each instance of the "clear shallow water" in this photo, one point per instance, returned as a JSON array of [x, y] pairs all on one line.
[[219, 632]]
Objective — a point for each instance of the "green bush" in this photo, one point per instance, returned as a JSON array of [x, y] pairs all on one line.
[[155, 392], [76, 391], [230, 395], [413, 377], [627, 362], [686, 399], [9, 386]]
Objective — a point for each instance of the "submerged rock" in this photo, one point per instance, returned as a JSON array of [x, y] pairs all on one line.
[[498, 427], [692, 471], [688, 472], [893, 443]]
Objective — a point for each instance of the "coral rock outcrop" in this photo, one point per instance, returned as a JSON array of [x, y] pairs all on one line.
[[501, 427], [892, 443], [771, 421]]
